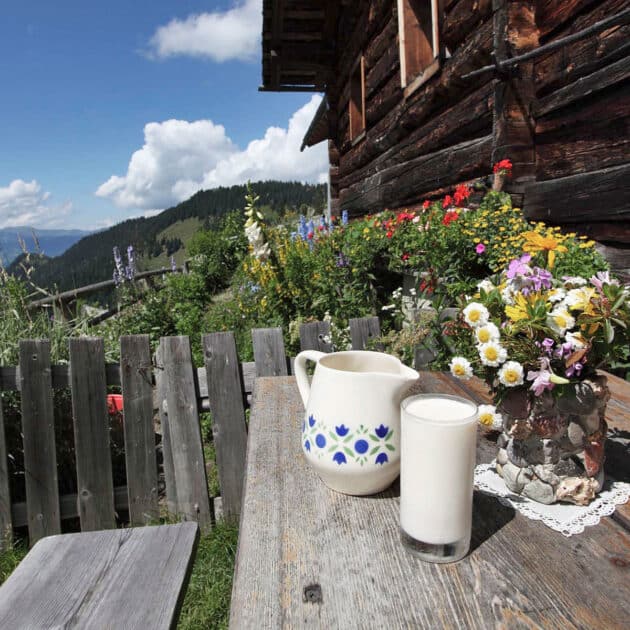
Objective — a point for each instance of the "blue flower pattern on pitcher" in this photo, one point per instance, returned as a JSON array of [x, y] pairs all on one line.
[[343, 445]]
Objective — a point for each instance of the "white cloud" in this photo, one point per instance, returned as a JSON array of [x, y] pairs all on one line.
[[179, 158], [24, 204], [220, 36]]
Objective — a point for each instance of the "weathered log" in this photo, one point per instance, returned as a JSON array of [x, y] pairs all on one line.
[[585, 86], [596, 196], [589, 135], [460, 21], [387, 65], [378, 47], [552, 14], [405, 183], [607, 231], [466, 119], [384, 100], [585, 56], [617, 257]]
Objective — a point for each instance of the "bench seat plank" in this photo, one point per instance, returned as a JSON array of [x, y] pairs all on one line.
[[124, 578], [308, 556]]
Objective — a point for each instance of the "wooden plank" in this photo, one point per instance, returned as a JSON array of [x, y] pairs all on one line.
[[126, 578], [193, 502], [38, 434], [225, 393], [247, 371], [362, 329], [596, 196], [269, 354], [314, 336], [10, 376], [91, 433], [6, 525], [137, 389], [167, 452], [307, 550]]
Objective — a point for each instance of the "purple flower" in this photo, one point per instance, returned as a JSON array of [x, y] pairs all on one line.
[[548, 345], [602, 278], [381, 431], [574, 370], [540, 279], [342, 260], [519, 266], [540, 379]]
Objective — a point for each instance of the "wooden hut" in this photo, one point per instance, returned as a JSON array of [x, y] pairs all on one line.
[[423, 94]]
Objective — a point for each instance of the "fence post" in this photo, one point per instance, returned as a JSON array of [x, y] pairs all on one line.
[[269, 353], [312, 336], [362, 329], [137, 389], [185, 432], [225, 395], [38, 434], [6, 526], [95, 484]]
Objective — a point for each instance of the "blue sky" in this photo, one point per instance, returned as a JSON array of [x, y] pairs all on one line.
[[87, 86]]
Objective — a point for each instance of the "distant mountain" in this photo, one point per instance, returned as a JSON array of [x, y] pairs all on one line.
[[48, 242], [90, 259]]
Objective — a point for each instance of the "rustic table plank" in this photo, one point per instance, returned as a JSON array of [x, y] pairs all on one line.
[[141, 464], [310, 556], [125, 578], [38, 431]]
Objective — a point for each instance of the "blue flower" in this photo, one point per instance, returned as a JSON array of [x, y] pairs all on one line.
[[381, 431], [344, 217], [307, 446], [361, 446], [340, 458], [311, 421], [320, 440], [341, 430], [381, 458]]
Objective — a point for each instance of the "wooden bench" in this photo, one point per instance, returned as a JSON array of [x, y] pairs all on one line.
[[124, 578]]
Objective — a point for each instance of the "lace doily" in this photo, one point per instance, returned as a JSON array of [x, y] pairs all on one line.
[[565, 518]]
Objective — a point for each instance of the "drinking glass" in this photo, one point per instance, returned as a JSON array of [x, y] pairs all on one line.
[[438, 443]]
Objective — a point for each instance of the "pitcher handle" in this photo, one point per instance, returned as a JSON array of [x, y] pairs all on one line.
[[301, 376]]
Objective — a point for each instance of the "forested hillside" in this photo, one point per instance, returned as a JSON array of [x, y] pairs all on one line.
[[48, 242], [90, 260]]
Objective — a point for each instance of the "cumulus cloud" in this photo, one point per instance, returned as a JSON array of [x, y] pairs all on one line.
[[24, 204], [220, 36], [179, 158]]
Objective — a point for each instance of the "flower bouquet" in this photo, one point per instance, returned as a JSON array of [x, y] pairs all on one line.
[[537, 338]]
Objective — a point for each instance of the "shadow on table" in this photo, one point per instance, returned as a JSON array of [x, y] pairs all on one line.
[[488, 517], [617, 450]]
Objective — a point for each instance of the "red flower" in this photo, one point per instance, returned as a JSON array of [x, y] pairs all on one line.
[[320, 228], [450, 217], [448, 201], [310, 235], [405, 216], [425, 204], [503, 165], [462, 192], [389, 234]]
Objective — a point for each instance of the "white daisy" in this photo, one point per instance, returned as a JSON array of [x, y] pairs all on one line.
[[507, 294], [486, 333], [461, 368], [511, 374], [476, 314], [486, 285], [489, 417], [556, 295], [560, 320], [576, 340], [492, 353]]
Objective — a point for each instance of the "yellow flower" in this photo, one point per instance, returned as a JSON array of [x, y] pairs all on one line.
[[519, 310], [536, 242]]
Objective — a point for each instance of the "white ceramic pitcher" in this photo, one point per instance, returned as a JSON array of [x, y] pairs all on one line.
[[351, 429]]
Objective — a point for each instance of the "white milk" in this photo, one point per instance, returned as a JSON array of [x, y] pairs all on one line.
[[437, 463]]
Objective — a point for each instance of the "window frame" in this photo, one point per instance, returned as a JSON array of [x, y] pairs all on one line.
[[356, 135], [410, 84]]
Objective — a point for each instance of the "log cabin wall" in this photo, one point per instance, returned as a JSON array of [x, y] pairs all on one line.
[[581, 112], [419, 144]]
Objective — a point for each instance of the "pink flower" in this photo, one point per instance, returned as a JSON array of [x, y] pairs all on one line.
[[481, 248]]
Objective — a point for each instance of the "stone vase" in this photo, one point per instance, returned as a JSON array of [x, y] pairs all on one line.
[[552, 447]]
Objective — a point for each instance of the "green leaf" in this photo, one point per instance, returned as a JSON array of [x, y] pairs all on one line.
[[348, 451], [374, 450], [389, 447], [610, 331], [373, 438]]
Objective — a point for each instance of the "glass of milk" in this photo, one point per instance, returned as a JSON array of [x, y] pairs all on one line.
[[438, 444]]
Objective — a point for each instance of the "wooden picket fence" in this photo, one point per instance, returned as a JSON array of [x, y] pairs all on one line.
[[169, 382]]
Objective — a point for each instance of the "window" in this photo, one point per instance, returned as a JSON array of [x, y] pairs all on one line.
[[357, 101], [419, 41]]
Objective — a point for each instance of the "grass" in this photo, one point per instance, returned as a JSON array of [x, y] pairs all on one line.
[[10, 558], [207, 601]]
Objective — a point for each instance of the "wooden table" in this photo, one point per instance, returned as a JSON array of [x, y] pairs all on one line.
[[310, 557], [131, 578]]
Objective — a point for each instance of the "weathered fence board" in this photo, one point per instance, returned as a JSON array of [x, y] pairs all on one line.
[[167, 452], [315, 336], [225, 394], [141, 465], [269, 354], [6, 525], [362, 329], [38, 434], [10, 376], [193, 502], [91, 433]]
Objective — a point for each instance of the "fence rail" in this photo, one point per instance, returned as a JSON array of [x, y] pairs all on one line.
[[168, 384]]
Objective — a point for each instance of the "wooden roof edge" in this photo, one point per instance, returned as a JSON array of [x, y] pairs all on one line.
[[318, 129]]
